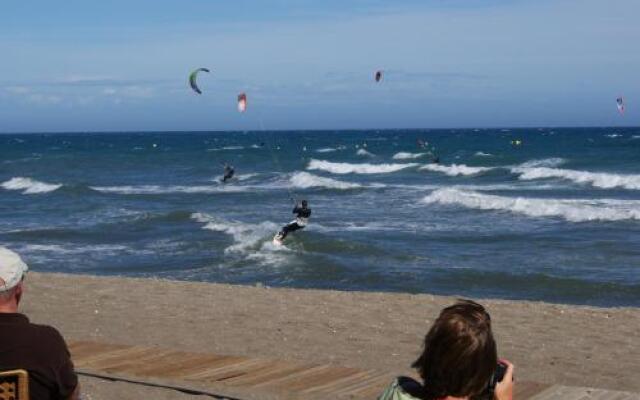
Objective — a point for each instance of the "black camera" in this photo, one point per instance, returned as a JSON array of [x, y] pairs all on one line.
[[496, 377]]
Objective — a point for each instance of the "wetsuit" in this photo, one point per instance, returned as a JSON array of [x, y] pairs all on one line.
[[302, 218], [228, 173]]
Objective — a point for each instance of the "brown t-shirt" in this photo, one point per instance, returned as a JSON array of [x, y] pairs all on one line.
[[41, 351]]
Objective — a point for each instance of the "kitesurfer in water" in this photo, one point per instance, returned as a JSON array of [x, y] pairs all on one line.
[[228, 172], [303, 212]]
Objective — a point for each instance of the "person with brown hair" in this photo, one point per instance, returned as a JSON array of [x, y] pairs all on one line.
[[459, 360]]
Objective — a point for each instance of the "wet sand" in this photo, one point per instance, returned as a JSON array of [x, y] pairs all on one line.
[[549, 343]]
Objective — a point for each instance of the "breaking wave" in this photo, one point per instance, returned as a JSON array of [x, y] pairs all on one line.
[[455, 169], [157, 189], [305, 180], [482, 154], [225, 148], [347, 168], [545, 162], [240, 177], [250, 241], [408, 156], [570, 210], [364, 153], [30, 186], [597, 179], [326, 150]]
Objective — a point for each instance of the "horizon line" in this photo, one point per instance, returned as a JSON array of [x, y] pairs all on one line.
[[316, 130]]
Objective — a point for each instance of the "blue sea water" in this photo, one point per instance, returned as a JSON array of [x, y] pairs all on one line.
[[556, 218]]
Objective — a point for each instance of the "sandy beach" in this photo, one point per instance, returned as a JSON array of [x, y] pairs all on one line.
[[549, 343]]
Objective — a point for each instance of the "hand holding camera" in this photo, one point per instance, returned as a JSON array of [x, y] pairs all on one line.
[[502, 381]]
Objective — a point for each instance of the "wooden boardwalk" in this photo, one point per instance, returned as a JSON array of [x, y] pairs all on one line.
[[275, 377]]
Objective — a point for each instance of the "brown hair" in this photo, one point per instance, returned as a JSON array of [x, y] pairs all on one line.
[[459, 354]]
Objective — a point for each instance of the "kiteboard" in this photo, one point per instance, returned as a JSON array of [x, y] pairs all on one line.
[[277, 240]]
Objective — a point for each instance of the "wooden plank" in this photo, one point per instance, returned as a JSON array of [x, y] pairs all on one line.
[[146, 365], [341, 383], [88, 349], [261, 372], [127, 363], [320, 378], [194, 366], [105, 357], [236, 370], [219, 363], [223, 369], [278, 372], [283, 383]]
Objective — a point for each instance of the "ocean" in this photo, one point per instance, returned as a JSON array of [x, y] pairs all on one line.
[[545, 214]]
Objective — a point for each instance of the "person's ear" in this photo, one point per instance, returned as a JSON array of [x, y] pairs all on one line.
[[18, 293]]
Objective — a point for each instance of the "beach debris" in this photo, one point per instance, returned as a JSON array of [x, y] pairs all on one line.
[[620, 105], [242, 102], [192, 79]]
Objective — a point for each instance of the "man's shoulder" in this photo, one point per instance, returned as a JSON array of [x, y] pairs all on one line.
[[45, 334]]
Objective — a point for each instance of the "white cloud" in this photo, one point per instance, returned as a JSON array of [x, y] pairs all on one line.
[[19, 90], [131, 91], [44, 99]]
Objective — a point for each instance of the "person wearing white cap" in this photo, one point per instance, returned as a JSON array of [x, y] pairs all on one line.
[[38, 349]]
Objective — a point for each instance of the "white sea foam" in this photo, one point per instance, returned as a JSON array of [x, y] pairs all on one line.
[[244, 177], [326, 150], [544, 162], [614, 135], [482, 188], [240, 177], [455, 169], [157, 189], [75, 249], [245, 235], [347, 168], [225, 148], [482, 154], [364, 153], [597, 179], [407, 156], [250, 241], [29, 186], [305, 180], [570, 210]]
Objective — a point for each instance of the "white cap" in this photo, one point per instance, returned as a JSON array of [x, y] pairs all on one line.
[[12, 269]]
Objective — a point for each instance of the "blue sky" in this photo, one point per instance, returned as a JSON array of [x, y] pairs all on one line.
[[82, 65]]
